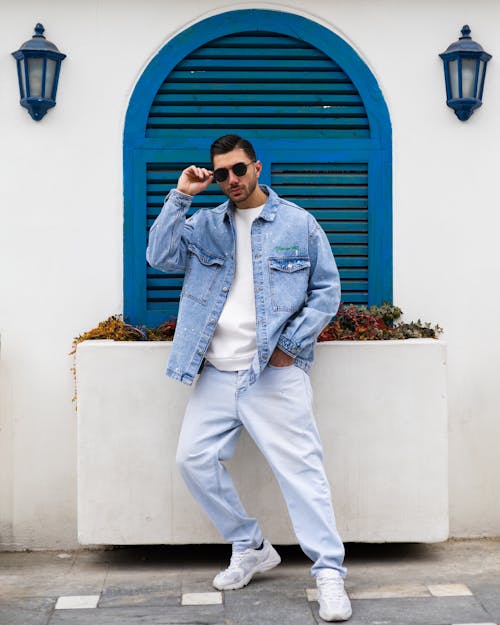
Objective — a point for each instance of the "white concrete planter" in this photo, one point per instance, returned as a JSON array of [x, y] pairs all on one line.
[[381, 410]]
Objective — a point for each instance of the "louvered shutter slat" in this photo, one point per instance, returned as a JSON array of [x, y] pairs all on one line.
[[244, 97], [348, 237], [257, 40]]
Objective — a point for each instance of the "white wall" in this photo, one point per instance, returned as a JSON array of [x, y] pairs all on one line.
[[61, 227]]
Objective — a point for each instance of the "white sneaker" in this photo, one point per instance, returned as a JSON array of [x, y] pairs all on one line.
[[244, 565], [334, 604]]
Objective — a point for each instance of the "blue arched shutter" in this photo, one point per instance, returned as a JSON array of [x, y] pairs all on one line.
[[310, 128]]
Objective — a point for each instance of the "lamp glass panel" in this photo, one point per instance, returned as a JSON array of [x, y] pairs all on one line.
[[468, 77], [480, 79], [453, 71], [20, 65], [49, 78], [35, 70]]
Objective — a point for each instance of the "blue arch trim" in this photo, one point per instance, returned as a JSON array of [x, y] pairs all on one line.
[[201, 33]]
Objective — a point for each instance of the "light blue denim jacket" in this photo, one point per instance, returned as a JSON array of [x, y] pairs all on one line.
[[297, 286]]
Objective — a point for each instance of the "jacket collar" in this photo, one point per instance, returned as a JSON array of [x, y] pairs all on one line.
[[270, 207]]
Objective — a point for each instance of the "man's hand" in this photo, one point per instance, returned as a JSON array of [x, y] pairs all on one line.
[[194, 180], [280, 359]]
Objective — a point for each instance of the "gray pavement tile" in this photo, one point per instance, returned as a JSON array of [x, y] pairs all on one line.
[[12, 560], [48, 586], [421, 611], [45, 574], [275, 582], [158, 595], [26, 611], [143, 577], [169, 615], [450, 561], [267, 608], [487, 592]]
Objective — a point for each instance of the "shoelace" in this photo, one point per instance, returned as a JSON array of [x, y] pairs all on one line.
[[236, 558], [330, 588]]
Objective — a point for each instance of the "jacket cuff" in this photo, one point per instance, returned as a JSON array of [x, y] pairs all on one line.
[[288, 346], [182, 200]]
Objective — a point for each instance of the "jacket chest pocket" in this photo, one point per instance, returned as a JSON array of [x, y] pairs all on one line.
[[288, 280], [202, 271]]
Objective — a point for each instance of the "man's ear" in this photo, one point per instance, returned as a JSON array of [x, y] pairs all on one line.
[[258, 168]]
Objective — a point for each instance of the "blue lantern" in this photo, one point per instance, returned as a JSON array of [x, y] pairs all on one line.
[[38, 66], [464, 72]]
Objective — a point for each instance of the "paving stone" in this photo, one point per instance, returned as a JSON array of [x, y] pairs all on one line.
[[266, 608], [48, 587], [446, 562], [201, 598], [487, 592], [159, 596], [32, 574], [312, 594], [47, 582], [77, 602], [449, 590], [420, 611], [170, 615], [274, 582], [390, 592], [198, 583], [143, 578], [26, 611], [15, 561]]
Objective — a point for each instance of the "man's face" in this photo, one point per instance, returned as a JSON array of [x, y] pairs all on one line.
[[239, 189]]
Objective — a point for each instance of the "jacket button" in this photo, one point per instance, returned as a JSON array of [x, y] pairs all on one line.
[[212, 321], [225, 289]]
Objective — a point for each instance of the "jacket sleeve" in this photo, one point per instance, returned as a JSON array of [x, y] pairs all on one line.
[[323, 296], [170, 234]]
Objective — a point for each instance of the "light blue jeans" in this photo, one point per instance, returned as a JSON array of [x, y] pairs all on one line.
[[277, 413]]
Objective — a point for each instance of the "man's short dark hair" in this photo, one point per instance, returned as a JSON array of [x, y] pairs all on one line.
[[227, 143]]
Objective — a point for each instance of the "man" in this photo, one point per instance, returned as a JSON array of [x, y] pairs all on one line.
[[260, 284]]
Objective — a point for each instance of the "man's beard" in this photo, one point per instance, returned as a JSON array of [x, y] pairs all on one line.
[[247, 191]]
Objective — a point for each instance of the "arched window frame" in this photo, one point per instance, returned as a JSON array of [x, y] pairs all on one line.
[[378, 148]]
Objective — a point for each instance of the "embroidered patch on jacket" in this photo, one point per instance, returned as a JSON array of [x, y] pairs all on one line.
[[293, 248]]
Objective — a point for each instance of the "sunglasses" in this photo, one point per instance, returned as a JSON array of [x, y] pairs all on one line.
[[239, 169]]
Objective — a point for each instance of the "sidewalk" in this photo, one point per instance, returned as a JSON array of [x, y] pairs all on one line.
[[450, 583]]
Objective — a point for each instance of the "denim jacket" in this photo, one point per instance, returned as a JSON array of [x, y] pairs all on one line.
[[296, 281]]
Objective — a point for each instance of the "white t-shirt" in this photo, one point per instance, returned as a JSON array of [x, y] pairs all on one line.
[[234, 342]]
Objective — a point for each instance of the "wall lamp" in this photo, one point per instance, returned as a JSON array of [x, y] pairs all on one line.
[[38, 66], [464, 73]]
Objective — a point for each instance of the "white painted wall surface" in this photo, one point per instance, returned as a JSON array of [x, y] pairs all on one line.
[[61, 213]]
